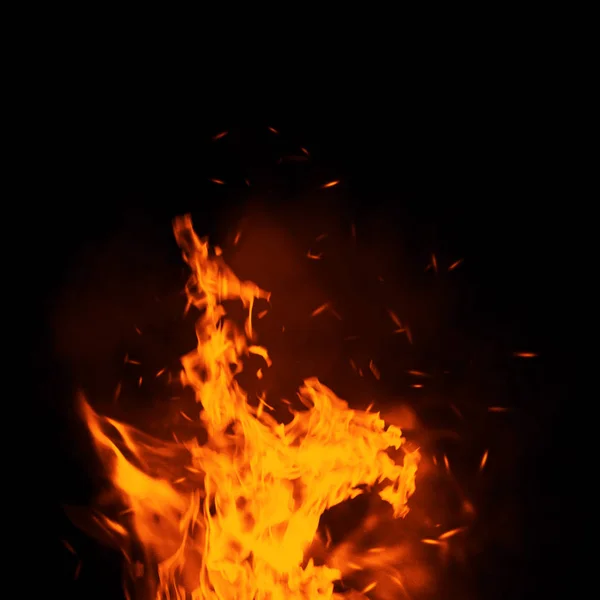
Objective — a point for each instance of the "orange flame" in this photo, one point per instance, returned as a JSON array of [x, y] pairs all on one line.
[[234, 517]]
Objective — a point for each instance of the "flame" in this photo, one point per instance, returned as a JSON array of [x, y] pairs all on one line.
[[234, 517]]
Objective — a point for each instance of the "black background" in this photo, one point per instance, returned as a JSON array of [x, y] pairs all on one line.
[[470, 178]]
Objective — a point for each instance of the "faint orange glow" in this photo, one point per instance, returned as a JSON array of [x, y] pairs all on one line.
[[320, 309], [219, 135], [498, 409], [416, 385], [374, 370], [273, 130], [218, 181], [434, 262], [394, 318], [305, 151], [239, 523], [237, 237], [455, 264], [417, 373], [314, 256], [525, 354], [330, 184], [159, 373], [138, 331]]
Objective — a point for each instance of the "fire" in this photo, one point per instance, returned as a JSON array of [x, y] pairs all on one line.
[[233, 517]]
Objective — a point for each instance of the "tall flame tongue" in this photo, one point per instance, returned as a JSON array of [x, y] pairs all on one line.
[[255, 491]]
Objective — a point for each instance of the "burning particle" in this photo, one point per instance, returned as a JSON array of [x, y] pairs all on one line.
[[355, 566], [320, 237], [374, 370], [335, 313], [132, 362], [117, 392], [353, 365], [330, 184], [286, 401], [137, 330], [159, 373], [259, 374], [416, 385], [376, 550], [320, 309], [468, 507], [193, 470], [483, 460], [401, 330], [394, 318], [77, 571], [283, 329], [218, 251], [69, 547], [456, 411], [185, 416], [237, 238], [328, 539], [180, 480], [418, 373], [247, 182], [127, 511], [218, 181], [434, 262], [370, 587], [140, 382], [273, 130], [305, 151], [314, 256], [219, 135], [525, 354], [432, 542], [360, 372], [498, 409], [447, 463], [434, 460], [175, 437], [261, 314], [451, 533], [369, 407], [455, 264], [409, 334]]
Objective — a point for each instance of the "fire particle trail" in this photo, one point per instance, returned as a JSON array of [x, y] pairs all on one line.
[[451, 533], [132, 362], [261, 314], [69, 547], [185, 416], [418, 373], [416, 385], [525, 354], [77, 571], [238, 235], [374, 370], [305, 151], [273, 130], [483, 460], [117, 392], [329, 184], [137, 330], [218, 181], [456, 411], [320, 309], [455, 264], [219, 136], [314, 256], [498, 409], [370, 587], [434, 262], [394, 318], [159, 373]]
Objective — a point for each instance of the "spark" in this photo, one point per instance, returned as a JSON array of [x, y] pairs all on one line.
[[185, 416], [447, 463], [140, 382], [418, 373], [374, 370], [77, 571], [314, 256], [305, 151], [259, 374], [320, 309], [370, 587], [180, 480], [117, 392], [261, 314], [409, 334], [451, 533], [218, 251], [320, 237], [218, 181], [159, 373], [137, 330], [247, 182], [273, 130], [219, 135], [498, 409], [394, 318], [455, 264], [69, 547], [434, 262], [525, 354], [483, 460], [416, 385], [330, 184], [432, 542], [237, 238]]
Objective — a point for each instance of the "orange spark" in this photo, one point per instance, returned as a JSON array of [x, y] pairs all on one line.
[[451, 533], [218, 251], [261, 314], [416, 385], [432, 542], [69, 547], [247, 182], [273, 130], [434, 262], [259, 374], [305, 151], [159, 373], [314, 256], [394, 317], [447, 463], [320, 237], [138, 331], [218, 181], [77, 571], [237, 238], [117, 392], [456, 411], [409, 334], [525, 354], [219, 135], [330, 184], [455, 264], [483, 460], [498, 409], [370, 587], [140, 382], [320, 309], [374, 370], [418, 373], [185, 416]]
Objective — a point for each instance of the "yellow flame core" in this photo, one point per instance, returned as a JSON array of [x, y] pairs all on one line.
[[260, 486]]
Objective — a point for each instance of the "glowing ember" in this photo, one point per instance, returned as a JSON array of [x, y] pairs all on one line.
[[234, 517]]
